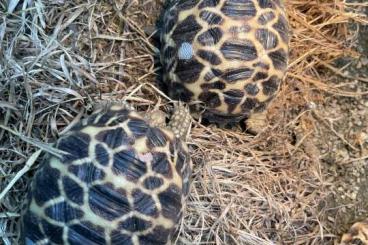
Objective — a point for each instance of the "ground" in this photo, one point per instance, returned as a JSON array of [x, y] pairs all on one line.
[[300, 181]]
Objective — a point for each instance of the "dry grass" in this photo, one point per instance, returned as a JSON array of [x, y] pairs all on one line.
[[58, 55]]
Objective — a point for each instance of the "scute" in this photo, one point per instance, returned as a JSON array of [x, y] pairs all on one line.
[[239, 50], [266, 3], [108, 183], [236, 44], [76, 145], [236, 74], [53, 232], [210, 57], [157, 236], [112, 137], [73, 191], [208, 3], [144, 204], [126, 164], [45, 185], [135, 223], [239, 9], [189, 71], [186, 30], [63, 212], [210, 37], [86, 233], [107, 202], [211, 17], [169, 200]]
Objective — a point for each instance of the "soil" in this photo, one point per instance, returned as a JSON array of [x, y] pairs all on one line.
[[343, 142]]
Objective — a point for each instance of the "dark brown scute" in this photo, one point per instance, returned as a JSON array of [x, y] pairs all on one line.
[[187, 4], [102, 155], [86, 233], [210, 37], [126, 163], [159, 235], [249, 104], [186, 31], [134, 224], [87, 172], [267, 38], [156, 138], [263, 19], [63, 212], [75, 145], [215, 85], [171, 204], [208, 3], [232, 98], [179, 91], [138, 127], [161, 164], [52, 232], [262, 65], [266, 4], [72, 190], [260, 76], [211, 99], [107, 201], [112, 137], [188, 71], [152, 182], [210, 17], [281, 26], [233, 75], [118, 238], [31, 228], [45, 185], [279, 59], [270, 86], [239, 9], [251, 89], [144, 203], [171, 18], [169, 52], [239, 50], [209, 56]]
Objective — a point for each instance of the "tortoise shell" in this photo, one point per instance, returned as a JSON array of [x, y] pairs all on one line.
[[229, 54], [120, 181], [357, 234]]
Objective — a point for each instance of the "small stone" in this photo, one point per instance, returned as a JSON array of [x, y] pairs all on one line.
[[353, 196], [359, 65], [364, 61], [311, 105]]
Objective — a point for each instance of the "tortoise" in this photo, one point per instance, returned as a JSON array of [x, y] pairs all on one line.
[[357, 234], [123, 179], [230, 55]]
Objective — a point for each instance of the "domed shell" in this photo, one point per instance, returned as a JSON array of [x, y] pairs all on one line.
[[229, 54], [121, 181]]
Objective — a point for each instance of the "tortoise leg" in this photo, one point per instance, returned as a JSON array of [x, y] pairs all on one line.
[[256, 122], [180, 120]]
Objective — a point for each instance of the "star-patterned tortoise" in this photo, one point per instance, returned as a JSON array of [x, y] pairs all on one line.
[[122, 180], [229, 54]]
